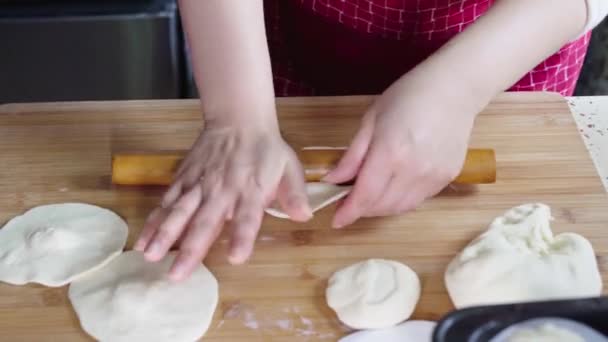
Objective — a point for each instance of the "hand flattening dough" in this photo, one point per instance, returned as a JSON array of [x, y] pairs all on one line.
[[54, 244], [518, 259], [131, 299], [373, 294], [319, 194]]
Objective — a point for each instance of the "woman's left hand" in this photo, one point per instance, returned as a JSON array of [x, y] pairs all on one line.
[[411, 144]]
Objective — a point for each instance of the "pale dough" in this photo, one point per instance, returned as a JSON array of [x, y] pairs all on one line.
[[410, 331], [320, 195], [545, 333], [131, 299], [373, 294], [518, 260], [54, 244], [549, 330]]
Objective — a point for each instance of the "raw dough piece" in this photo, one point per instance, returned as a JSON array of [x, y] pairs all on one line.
[[373, 294], [518, 259], [549, 330], [319, 194], [54, 244], [410, 331], [133, 300], [545, 333]]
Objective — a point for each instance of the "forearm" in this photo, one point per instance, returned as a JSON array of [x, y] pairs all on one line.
[[509, 40], [230, 55]]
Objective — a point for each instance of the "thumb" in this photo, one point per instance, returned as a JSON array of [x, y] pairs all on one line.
[[351, 162]]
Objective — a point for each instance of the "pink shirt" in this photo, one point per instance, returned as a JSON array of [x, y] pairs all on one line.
[[335, 47]]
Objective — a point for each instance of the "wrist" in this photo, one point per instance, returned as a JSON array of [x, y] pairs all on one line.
[[458, 94], [253, 116]]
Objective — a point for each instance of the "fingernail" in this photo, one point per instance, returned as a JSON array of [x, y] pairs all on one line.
[[301, 206], [308, 212], [153, 249], [328, 178], [338, 224], [305, 208], [177, 272], [139, 246], [236, 257]]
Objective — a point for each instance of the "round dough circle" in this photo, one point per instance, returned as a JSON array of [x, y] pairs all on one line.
[[55, 244], [131, 299], [518, 259], [373, 294], [319, 194]]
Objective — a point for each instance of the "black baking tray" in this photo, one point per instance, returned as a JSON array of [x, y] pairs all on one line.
[[480, 324]]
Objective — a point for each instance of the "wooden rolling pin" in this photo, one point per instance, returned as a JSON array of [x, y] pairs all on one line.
[[158, 168]]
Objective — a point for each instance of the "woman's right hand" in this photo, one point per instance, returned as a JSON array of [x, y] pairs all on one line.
[[230, 176]]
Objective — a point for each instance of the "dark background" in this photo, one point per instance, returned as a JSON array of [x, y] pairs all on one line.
[[594, 77], [130, 49]]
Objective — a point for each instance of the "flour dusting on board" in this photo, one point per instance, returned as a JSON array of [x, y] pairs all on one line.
[[266, 238], [250, 321], [287, 321], [284, 324]]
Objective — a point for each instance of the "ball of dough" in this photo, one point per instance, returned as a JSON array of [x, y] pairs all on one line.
[[55, 244], [373, 294], [131, 299], [518, 259]]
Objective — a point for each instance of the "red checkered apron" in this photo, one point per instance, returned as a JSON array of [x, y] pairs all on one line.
[[338, 47]]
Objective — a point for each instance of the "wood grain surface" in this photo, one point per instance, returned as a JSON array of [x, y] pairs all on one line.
[[61, 153]]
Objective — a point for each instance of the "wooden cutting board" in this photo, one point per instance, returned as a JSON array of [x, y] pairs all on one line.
[[61, 152]]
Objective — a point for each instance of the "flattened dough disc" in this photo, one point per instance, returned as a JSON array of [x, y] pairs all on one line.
[[55, 244], [320, 195], [131, 299]]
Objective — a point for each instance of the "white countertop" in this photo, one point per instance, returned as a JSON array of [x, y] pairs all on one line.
[[591, 116]]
